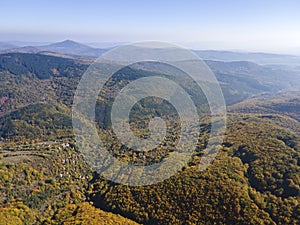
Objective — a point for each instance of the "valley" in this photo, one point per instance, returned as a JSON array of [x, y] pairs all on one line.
[[44, 179]]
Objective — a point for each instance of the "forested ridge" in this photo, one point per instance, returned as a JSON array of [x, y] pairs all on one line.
[[44, 179]]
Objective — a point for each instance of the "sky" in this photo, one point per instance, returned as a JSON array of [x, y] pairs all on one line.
[[246, 25]]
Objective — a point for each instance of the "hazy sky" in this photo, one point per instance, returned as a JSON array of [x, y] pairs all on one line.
[[209, 24]]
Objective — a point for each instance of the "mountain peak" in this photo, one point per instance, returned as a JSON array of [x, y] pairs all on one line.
[[67, 43], [72, 48]]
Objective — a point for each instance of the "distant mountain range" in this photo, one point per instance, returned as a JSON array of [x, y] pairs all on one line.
[[73, 48], [5, 46], [272, 60], [69, 47]]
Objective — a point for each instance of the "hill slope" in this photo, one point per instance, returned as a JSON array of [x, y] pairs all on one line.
[[45, 180]]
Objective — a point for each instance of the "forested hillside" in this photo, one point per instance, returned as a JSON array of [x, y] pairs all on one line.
[[44, 179]]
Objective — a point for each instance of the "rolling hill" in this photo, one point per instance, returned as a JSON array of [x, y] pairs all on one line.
[[67, 47], [70, 47], [44, 179], [272, 60]]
